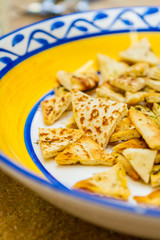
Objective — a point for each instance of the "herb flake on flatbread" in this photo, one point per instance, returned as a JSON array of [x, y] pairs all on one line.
[[155, 176], [146, 127], [54, 140]]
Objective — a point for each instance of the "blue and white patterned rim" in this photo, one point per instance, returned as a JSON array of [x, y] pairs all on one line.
[[48, 33], [92, 23]]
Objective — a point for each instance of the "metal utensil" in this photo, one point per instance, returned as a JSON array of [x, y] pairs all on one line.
[[49, 7], [82, 5]]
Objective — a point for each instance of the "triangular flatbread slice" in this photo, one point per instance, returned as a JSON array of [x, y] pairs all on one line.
[[109, 67], [128, 83], [80, 81], [132, 143], [109, 94], [111, 183], [152, 199], [146, 127], [153, 84], [85, 151], [154, 73], [140, 69], [135, 98], [54, 140], [142, 161], [140, 52], [52, 109], [97, 117], [126, 164], [124, 135]]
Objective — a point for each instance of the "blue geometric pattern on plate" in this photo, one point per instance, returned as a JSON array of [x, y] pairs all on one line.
[[52, 32]]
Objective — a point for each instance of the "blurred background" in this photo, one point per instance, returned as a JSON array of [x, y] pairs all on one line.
[[17, 13]]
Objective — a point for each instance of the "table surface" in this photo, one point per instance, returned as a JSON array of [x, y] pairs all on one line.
[[23, 214]]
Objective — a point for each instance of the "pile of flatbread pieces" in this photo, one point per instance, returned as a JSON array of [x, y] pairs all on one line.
[[120, 107]]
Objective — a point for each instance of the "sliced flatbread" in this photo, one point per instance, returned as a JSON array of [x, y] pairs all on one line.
[[60, 90], [54, 140], [109, 67], [111, 183], [132, 143], [142, 161], [71, 123], [154, 73], [124, 135], [126, 164], [84, 81], [153, 84], [52, 109], [85, 151], [147, 111], [124, 124], [109, 94], [97, 117], [153, 98], [156, 109], [155, 176], [135, 98], [140, 52], [79, 80], [146, 127], [152, 199], [64, 79], [125, 130], [149, 90], [128, 83], [138, 70], [107, 84], [157, 160]]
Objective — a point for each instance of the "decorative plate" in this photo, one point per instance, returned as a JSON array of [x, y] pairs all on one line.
[[29, 60]]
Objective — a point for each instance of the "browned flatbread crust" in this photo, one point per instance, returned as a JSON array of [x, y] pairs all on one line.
[[54, 140], [81, 81], [97, 117], [142, 161], [52, 109], [128, 83], [124, 135], [151, 199], [111, 183], [132, 143], [146, 127], [127, 166], [85, 151]]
